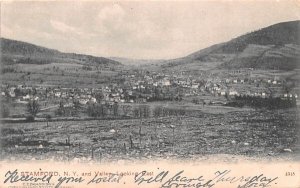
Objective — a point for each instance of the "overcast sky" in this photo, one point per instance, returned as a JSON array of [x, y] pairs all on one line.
[[138, 29]]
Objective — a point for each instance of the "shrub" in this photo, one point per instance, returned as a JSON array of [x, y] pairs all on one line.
[[30, 118]]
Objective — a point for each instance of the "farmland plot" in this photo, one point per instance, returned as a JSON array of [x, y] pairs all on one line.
[[243, 133]]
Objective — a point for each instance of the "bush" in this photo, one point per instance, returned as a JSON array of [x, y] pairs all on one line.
[[4, 111], [258, 102], [33, 107], [97, 110], [196, 101], [30, 118]]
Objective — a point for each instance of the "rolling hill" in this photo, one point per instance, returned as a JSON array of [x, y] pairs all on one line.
[[273, 47], [136, 62], [13, 51]]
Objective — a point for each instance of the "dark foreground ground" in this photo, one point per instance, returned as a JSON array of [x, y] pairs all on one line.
[[250, 133]]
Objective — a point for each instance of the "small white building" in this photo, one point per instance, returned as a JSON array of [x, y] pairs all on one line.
[[93, 100], [195, 86], [233, 92], [57, 94], [83, 101], [223, 93], [166, 83]]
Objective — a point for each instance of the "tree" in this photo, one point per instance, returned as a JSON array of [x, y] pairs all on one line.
[[97, 110], [48, 118], [4, 110], [146, 111], [136, 112], [18, 92], [158, 111], [115, 109], [33, 107], [61, 109], [99, 96], [76, 106], [91, 110], [195, 101], [126, 109], [143, 111]]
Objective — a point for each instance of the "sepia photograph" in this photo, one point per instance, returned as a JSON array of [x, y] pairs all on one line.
[[108, 82]]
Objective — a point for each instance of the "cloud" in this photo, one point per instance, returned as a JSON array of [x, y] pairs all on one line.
[[64, 28], [111, 21], [109, 13]]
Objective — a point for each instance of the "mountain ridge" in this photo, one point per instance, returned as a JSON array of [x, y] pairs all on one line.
[[24, 52], [275, 46], [282, 38]]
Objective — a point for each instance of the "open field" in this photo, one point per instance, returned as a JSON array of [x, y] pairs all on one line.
[[246, 133], [58, 74]]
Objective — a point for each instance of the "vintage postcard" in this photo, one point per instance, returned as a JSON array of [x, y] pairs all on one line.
[[154, 94]]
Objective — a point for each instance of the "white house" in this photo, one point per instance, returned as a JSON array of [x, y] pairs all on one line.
[[83, 101], [93, 100], [195, 86], [166, 83], [223, 93], [233, 92], [57, 94]]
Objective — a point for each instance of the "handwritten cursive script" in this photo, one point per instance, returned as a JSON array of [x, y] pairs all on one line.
[[250, 181], [12, 177], [164, 179], [167, 180], [177, 180]]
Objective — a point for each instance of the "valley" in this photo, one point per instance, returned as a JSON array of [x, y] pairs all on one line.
[[239, 98]]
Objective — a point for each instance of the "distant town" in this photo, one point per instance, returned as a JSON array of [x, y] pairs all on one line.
[[140, 86]]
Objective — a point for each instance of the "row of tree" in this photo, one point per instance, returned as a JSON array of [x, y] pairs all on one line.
[[140, 111], [100, 110], [103, 110], [258, 102]]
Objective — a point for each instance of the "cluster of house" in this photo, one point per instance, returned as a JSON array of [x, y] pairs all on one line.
[[255, 88], [140, 87], [154, 79], [22, 94]]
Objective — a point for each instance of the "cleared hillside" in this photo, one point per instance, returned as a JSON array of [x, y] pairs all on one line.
[[276, 46], [21, 52]]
